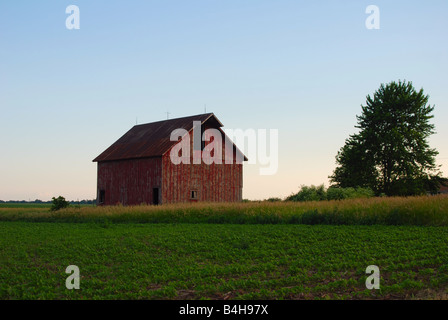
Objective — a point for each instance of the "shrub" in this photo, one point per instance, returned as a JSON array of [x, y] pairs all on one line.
[[334, 193], [319, 193], [312, 193], [273, 199], [59, 203]]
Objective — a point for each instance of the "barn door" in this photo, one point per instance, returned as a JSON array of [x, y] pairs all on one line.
[[155, 196], [123, 196], [101, 197]]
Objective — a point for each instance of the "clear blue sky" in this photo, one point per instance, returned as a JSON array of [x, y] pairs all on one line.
[[302, 67]]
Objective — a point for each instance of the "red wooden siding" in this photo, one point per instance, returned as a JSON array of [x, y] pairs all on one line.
[[214, 182], [130, 182]]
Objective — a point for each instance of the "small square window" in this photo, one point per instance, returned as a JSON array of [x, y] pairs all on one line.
[[194, 194]]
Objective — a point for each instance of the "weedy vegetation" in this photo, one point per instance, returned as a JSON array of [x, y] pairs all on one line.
[[419, 211]]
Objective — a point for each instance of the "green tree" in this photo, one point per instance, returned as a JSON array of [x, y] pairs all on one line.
[[390, 154], [356, 168], [59, 203]]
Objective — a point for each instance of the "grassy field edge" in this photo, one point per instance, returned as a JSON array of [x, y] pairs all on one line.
[[418, 211]]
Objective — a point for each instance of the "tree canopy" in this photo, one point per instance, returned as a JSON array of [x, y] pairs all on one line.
[[390, 154]]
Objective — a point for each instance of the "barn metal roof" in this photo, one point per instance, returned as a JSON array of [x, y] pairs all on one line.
[[152, 139]]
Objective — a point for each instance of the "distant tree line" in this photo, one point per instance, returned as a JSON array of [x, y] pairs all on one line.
[[50, 201]]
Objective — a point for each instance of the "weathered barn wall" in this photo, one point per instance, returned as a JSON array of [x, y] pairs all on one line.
[[214, 182], [443, 190], [129, 182]]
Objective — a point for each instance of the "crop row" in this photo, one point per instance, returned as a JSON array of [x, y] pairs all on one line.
[[196, 261]]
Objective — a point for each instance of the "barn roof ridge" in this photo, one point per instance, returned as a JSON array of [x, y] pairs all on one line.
[[151, 139], [181, 118]]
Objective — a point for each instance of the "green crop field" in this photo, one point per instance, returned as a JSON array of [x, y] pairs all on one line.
[[221, 261]]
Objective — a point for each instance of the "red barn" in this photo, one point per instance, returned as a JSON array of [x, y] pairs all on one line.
[[443, 189], [139, 169]]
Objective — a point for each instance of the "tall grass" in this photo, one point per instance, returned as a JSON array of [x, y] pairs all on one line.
[[423, 210]]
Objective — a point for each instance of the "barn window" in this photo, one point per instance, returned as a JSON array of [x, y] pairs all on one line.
[[102, 196], [194, 194]]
